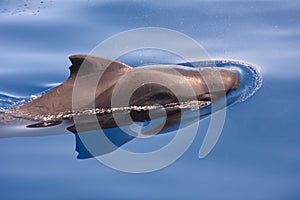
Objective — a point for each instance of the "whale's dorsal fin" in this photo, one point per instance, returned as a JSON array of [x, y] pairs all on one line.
[[59, 99], [94, 63]]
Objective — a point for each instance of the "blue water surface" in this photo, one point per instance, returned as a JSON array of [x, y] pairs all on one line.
[[257, 155]]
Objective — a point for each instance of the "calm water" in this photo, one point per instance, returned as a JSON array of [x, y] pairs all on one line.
[[257, 155]]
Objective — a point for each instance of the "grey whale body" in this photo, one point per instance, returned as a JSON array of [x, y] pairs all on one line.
[[59, 99]]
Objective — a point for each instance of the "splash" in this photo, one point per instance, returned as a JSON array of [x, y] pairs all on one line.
[[8, 101], [23, 7]]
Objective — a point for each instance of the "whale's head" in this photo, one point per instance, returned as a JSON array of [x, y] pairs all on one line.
[[215, 83], [230, 79]]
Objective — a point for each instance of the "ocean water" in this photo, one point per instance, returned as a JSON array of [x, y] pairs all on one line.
[[257, 154]]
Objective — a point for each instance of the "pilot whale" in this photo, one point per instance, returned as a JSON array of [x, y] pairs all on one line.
[[60, 99]]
